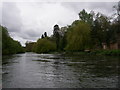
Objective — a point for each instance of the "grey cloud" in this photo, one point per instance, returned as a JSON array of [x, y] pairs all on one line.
[[32, 33], [11, 17], [103, 7], [75, 6], [24, 36], [27, 21]]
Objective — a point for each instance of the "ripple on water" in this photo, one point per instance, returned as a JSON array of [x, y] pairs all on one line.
[[62, 71]]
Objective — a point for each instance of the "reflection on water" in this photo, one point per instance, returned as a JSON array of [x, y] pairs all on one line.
[[31, 70]]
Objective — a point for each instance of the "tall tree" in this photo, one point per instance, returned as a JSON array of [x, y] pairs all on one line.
[[45, 34], [117, 7], [78, 37], [56, 34], [42, 36], [86, 17], [101, 30]]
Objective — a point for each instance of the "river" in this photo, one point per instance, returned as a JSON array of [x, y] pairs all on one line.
[[31, 70]]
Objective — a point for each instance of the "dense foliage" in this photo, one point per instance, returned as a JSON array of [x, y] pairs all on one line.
[[44, 45], [29, 46], [9, 46], [78, 37]]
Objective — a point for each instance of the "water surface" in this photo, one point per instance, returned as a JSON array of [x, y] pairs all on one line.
[[31, 70]]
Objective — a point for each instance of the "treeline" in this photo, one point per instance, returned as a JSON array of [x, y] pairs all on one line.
[[92, 31], [9, 46], [44, 45]]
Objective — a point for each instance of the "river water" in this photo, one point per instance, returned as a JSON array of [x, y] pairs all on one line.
[[31, 70]]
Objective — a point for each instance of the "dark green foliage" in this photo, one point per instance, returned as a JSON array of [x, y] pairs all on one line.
[[63, 42], [44, 46], [42, 36], [102, 32], [10, 46], [45, 34], [107, 52], [29, 46], [117, 7], [57, 36], [78, 37], [85, 17]]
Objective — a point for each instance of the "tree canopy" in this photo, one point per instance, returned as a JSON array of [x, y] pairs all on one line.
[[44, 46], [9, 46], [78, 37]]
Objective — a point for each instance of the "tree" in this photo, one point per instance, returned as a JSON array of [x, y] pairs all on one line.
[[42, 36], [56, 35], [117, 7], [9, 46], [45, 34], [29, 46], [86, 17], [78, 37], [101, 31], [63, 41], [116, 21], [44, 46]]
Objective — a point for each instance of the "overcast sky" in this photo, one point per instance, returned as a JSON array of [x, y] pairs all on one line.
[[27, 21]]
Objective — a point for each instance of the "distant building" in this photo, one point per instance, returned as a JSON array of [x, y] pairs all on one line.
[[104, 45], [115, 45]]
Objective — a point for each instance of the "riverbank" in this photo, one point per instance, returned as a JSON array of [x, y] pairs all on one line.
[[92, 52], [97, 52], [3, 54], [107, 52]]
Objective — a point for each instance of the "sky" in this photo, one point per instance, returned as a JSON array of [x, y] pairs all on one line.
[[28, 20]]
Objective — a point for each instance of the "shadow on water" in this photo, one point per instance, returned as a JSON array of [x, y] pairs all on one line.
[[60, 71], [101, 71], [100, 66], [7, 59]]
